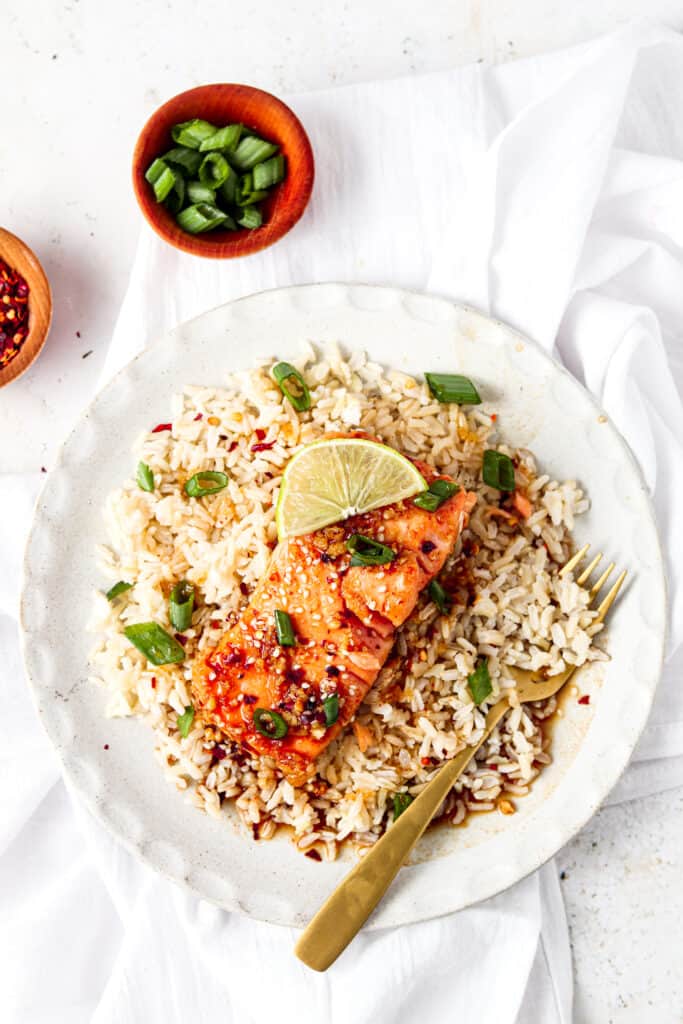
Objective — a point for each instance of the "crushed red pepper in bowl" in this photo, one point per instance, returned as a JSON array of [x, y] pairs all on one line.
[[14, 294]]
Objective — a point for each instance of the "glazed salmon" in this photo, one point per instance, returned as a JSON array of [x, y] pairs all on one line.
[[344, 620]]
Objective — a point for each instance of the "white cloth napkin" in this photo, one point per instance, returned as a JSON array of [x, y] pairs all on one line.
[[547, 192]]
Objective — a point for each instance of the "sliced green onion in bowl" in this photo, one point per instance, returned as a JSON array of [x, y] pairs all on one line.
[[201, 217], [331, 709], [366, 551], [155, 643], [224, 139], [270, 723], [245, 194], [176, 197], [479, 682], [251, 151], [200, 193], [227, 192], [402, 802], [192, 133], [119, 588], [214, 170], [284, 629], [251, 218], [145, 477], [185, 721], [435, 495], [181, 605], [439, 597], [292, 385], [206, 482], [188, 160], [497, 470], [162, 179], [452, 388], [269, 173]]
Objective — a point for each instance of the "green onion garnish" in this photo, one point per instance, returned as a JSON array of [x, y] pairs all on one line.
[[479, 682], [199, 193], [292, 385], [402, 802], [452, 387], [162, 179], [251, 218], [201, 217], [224, 140], [119, 588], [270, 723], [214, 170], [331, 709], [251, 151], [435, 495], [439, 597], [366, 551], [245, 194], [206, 482], [181, 605], [498, 471], [270, 172], [192, 133], [186, 159], [284, 629], [228, 190], [155, 643], [145, 477], [185, 721], [177, 197]]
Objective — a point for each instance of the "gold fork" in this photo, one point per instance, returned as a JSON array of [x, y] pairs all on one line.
[[345, 912]]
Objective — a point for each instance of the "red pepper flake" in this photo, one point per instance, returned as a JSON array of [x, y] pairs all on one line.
[[264, 447], [106, 746], [14, 313], [494, 417], [426, 761], [215, 623], [260, 434], [182, 640], [313, 854], [232, 446], [585, 699], [198, 417], [217, 754], [78, 334], [162, 426], [154, 682]]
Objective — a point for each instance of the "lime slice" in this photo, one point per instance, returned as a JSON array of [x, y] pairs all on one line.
[[338, 477]]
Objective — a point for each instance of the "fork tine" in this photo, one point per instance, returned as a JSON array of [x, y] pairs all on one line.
[[608, 601], [574, 560], [599, 584], [589, 569]]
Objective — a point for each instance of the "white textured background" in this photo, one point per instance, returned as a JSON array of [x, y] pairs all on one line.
[[80, 78]]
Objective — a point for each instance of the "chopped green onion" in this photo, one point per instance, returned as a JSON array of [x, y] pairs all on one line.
[[479, 682], [145, 477], [331, 709], [270, 172], [435, 495], [185, 721], [402, 802], [245, 194], [155, 643], [452, 387], [366, 551], [228, 190], [199, 193], [270, 723], [498, 470], [200, 217], [225, 139], [292, 385], [188, 159], [162, 179], [119, 588], [439, 597], [192, 133], [181, 605], [206, 482], [284, 629], [214, 170], [251, 218], [251, 151], [177, 196]]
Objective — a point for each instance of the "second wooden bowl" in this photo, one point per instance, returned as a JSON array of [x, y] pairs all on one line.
[[17, 255], [221, 105]]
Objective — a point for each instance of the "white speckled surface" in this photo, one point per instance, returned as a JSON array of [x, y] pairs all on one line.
[[98, 62]]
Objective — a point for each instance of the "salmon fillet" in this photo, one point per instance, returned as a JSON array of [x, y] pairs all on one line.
[[344, 618]]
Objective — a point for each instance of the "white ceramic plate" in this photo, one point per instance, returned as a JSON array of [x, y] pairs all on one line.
[[539, 405]]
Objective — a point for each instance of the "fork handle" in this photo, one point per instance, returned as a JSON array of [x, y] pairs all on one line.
[[347, 909]]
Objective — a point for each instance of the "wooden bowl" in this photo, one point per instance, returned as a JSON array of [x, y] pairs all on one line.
[[19, 257], [221, 105]]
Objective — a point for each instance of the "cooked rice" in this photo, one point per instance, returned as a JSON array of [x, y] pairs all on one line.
[[511, 606]]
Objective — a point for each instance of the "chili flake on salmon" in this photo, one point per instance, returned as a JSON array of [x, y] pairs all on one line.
[[287, 685]]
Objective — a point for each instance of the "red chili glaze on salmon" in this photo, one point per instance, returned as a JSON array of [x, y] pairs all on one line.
[[344, 618]]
